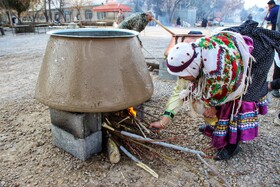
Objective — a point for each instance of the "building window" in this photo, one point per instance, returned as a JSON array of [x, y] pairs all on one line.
[[68, 15], [88, 14], [101, 15]]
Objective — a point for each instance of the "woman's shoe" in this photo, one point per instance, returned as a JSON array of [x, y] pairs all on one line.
[[275, 93], [277, 121], [202, 128], [227, 152]]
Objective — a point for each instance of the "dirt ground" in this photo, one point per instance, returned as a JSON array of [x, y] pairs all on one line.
[[28, 157]]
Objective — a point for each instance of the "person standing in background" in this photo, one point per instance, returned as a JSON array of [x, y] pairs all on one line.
[[275, 84], [273, 13], [1, 26], [272, 18], [204, 22], [250, 17], [178, 21], [278, 21], [14, 20], [120, 17]]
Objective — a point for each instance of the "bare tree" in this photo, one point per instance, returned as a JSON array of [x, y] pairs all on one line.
[[78, 4], [46, 11], [59, 6], [50, 10], [170, 8], [137, 5], [36, 6], [227, 7], [4, 5], [205, 8]]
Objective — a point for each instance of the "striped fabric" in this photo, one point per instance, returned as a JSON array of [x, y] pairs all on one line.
[[242, 127]]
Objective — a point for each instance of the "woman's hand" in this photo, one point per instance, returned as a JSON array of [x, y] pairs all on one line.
[[269, 86], [156, 126], [210, 112], [159, 125]]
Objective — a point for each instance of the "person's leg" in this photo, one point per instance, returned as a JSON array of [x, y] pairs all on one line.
[[276, 75], [273, 27], [277, 120], [227, 152], [2, 31]]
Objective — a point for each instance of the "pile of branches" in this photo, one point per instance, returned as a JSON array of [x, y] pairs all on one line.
[[127, 131]]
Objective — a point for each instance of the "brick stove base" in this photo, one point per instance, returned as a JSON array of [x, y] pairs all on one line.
[[80, 148], [77, 133]]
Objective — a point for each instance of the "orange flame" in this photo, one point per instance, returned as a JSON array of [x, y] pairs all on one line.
[[131, 111]]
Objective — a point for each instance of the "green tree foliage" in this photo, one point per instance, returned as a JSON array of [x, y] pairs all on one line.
[[19, 6], [4, 4]]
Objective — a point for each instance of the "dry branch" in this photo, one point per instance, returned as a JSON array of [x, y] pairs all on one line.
[[138, 162]]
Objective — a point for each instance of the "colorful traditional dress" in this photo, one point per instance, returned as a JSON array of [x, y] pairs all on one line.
[[223, 79]]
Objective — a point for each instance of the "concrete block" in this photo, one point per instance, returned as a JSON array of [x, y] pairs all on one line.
[[79, 124], [80, 148]]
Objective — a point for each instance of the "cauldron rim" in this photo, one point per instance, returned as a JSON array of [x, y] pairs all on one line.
[[65, 33]]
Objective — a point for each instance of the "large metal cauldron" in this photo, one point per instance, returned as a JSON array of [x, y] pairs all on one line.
[[93, 70]]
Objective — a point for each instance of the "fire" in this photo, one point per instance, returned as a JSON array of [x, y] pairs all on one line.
[[131, 111]]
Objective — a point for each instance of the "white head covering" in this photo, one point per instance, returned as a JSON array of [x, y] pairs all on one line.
[[183, 60]]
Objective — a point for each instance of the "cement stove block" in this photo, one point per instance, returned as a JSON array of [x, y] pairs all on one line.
[[80, 148], [79, 124]]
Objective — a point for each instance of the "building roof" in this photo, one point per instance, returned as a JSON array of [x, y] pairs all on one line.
[[112, 7]]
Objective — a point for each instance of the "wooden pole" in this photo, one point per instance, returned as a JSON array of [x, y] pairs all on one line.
[[184, 149], [163, 26], [264, 18]]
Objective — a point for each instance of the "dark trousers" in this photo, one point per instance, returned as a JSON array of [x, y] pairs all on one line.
[[2, 30], [276, 73], [273, 27]]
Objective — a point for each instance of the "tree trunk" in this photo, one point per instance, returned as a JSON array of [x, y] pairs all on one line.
[[50, 11], [45, 11], [19, 18]]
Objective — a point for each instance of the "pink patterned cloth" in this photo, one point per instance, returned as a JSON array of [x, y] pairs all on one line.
[[249, 41]]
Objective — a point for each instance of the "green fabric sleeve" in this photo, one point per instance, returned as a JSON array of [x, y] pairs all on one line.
[[174, 102]]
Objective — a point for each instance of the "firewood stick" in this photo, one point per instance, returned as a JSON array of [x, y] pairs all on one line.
[[163, 26], [138, 162], [123, 119], [140, 129], [113, 151], [153, 150], [143, 126]]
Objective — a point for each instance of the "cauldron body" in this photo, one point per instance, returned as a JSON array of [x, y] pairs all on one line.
[[93, 70]]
